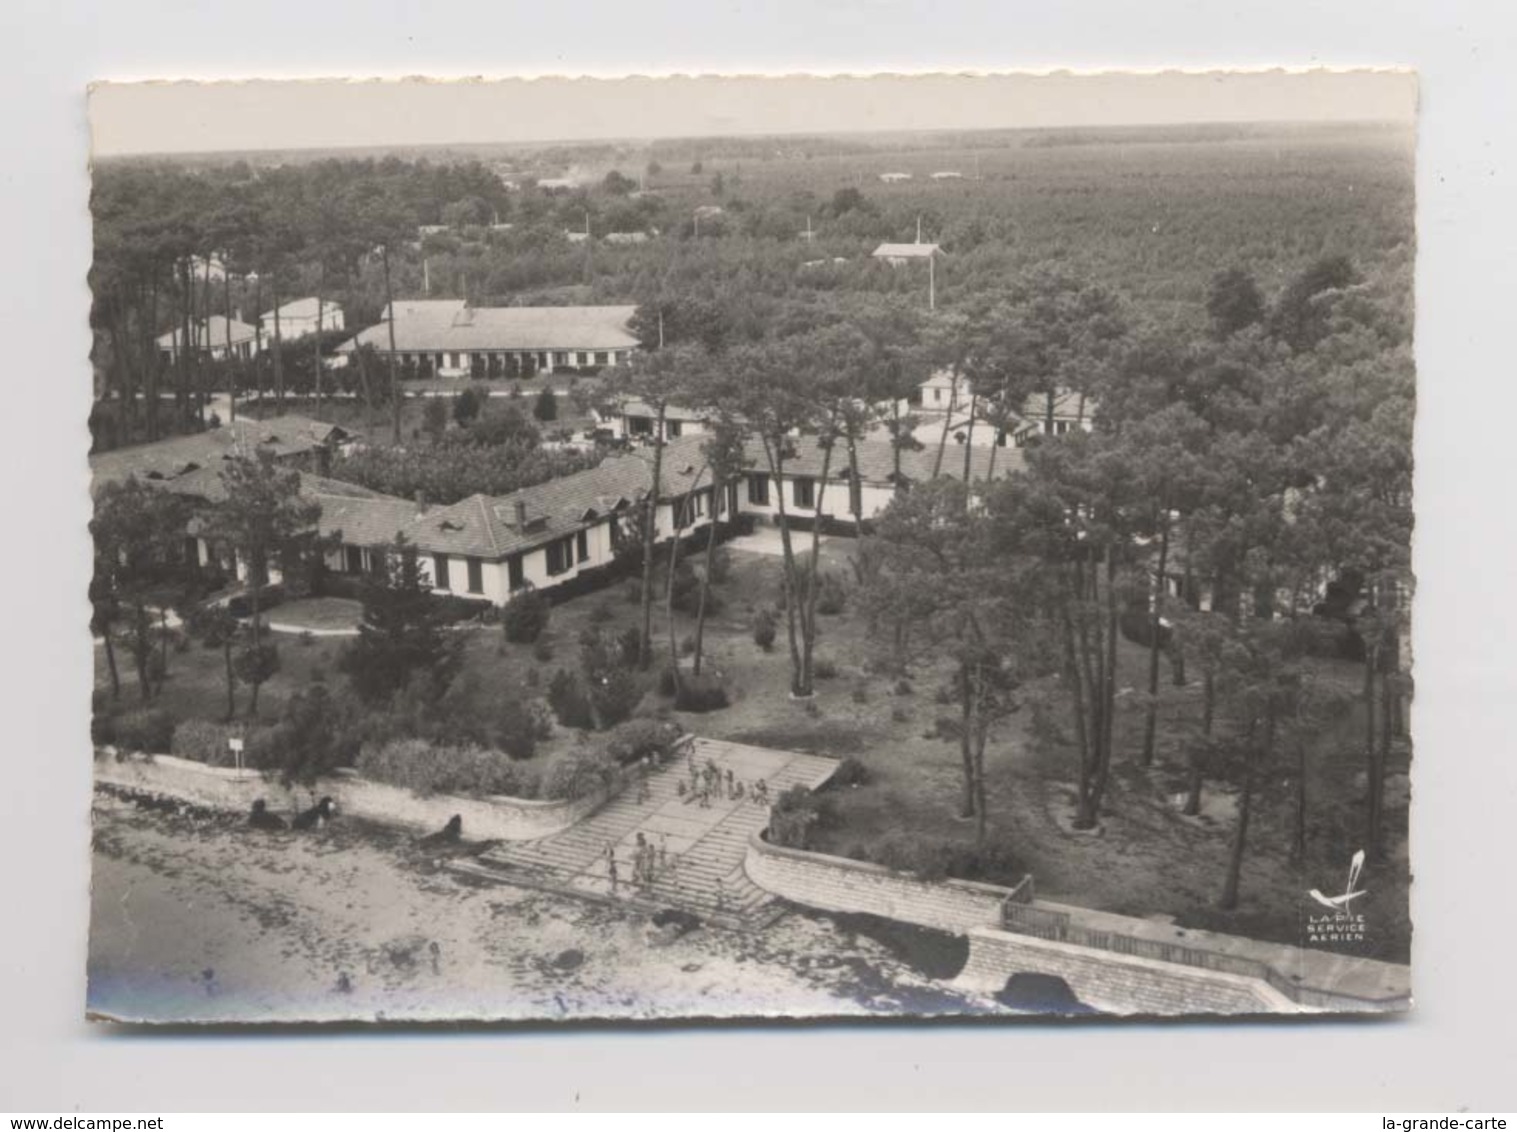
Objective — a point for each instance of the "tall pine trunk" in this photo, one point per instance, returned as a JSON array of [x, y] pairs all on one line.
[[650, 524], [774, 454], [1155, 619], [718, 504], [384, 258], [278, 345], [953, 396], [808, 623]]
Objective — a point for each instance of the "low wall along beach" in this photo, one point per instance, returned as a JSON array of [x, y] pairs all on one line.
[[493, 818]]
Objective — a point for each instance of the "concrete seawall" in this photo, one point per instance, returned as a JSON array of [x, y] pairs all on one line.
[[494, 818]]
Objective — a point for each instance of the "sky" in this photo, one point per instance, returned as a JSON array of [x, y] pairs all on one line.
[[191, 117]]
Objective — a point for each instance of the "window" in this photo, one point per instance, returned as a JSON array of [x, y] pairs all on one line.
[[758, 490], [560, 555], [937, 394], [516, 574], [804, 492], [582, 545], [673, 428], [600, 358], [640, 426], [542, 359], [561, 358], [354, 559], [581, 358], [440, 572], [476, 575]]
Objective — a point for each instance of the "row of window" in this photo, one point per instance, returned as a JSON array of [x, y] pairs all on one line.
[[540, 358], [802, 491]]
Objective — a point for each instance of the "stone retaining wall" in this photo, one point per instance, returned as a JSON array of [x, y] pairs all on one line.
[[225, 788], [837, 884], [1121, 984]]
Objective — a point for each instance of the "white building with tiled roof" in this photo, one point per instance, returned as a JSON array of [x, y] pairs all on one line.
[[452, 336], [212, 336], [299, 317]]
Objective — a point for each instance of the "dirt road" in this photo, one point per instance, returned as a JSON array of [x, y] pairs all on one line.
[[201, 919]]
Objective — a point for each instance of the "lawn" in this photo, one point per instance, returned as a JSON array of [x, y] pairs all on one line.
[[1147, 860]]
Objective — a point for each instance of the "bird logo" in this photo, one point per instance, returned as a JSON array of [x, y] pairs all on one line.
[[1342, 903]]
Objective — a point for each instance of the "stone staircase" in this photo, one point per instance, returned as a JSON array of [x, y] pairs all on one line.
[[704, 846]]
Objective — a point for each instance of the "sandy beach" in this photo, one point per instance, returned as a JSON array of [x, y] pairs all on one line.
[[196, 918]]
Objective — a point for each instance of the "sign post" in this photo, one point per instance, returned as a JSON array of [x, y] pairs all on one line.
[[235, 743]]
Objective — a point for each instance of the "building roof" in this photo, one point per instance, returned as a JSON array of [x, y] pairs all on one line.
[[877, 461], [303, 308], [905, 251], [190, 456], [632, 407], [212, 331], [452, 326], [485, 526]]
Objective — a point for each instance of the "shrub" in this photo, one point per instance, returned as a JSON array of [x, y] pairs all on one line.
[[542, 651], [701, 693], [832, 595], [205, 741], [935, 858], [518, 727], [638, 738], [570, 704], [860, 693], [149, 730], [526, 615], [576, 773], [900, 714], [424, 769], [629, 644], [793, 814], [850, 772], [601, 612], [668, 684], [616, 696], [721, 566], [306, 639], [102, 728], [903, 687], [764, 628], [824, 668], [687, 645]]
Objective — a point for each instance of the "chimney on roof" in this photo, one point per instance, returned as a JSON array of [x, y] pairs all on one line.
[[421, 501], [520, 507]]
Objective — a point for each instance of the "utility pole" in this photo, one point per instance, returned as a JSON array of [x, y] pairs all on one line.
[[932, 282]]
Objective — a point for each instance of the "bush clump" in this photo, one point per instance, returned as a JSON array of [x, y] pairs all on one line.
[[850, 772], [824, 668], [570, 704], [937, 859], [701, 693], [765, 625], [636, 739], [576, 773], [425, 769], [148, 730], [792, 817], [205, 741], [526, 615]]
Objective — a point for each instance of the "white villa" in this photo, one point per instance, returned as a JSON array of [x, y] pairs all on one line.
[[899, 255], [940, 397], [637, 420], [453, 336], [212, 336], [299, 318]]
